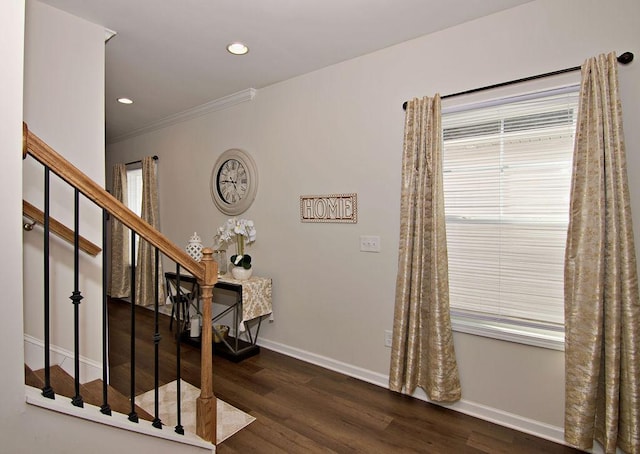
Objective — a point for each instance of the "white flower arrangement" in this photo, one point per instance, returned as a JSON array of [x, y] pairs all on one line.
[[243, 232]]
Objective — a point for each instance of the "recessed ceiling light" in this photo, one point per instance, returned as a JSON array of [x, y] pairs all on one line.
[[237, 48], [125, 101]]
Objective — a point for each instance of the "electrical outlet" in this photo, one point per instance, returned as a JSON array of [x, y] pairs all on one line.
[[388, 336], [369, 243]]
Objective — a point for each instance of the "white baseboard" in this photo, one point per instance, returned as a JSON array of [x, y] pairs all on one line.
[[34, 358], [328, 363], [503, 418], [494, 415]]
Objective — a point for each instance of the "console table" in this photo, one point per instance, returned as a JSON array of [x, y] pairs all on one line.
[[252, 302]]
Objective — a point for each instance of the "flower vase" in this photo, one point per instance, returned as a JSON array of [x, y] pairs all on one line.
[[220, 256], [241, 274]]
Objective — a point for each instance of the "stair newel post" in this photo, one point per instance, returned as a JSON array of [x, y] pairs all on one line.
[[206, 402]]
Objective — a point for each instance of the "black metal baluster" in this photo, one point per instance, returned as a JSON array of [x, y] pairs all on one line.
[[76, 298], [179, 428], [157, 423], [105, 408], [236, 324], [133, 416], [47, 390]]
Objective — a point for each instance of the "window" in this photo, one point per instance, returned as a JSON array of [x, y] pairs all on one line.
[[134, 190], [507, 175], [134, 197]]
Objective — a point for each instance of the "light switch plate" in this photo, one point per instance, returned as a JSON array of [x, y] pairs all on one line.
[[369, 243]]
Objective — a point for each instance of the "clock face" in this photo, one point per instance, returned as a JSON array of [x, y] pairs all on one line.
[[234, 182]]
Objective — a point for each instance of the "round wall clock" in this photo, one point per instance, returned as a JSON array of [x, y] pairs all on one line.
[[234, 182]]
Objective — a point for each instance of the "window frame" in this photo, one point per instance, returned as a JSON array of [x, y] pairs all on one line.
[[535, 333]]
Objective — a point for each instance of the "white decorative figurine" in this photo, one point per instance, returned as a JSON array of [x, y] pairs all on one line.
[[194, 248]]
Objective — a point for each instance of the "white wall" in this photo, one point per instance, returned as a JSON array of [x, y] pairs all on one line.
[[25, 429], [11, 351], [64, 106], [340, 130]]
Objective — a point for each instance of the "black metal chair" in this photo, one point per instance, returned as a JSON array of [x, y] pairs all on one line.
[[185, 295]]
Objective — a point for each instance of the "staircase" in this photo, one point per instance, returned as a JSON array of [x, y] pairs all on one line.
[[104, 404]]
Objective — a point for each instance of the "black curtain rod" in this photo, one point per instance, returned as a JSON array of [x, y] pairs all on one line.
[[625, 59], [155, 158]]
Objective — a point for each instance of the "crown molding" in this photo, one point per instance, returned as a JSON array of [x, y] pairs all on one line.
[[108, 34], [203, 109]]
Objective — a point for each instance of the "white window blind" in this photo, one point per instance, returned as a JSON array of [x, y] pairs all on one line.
[[507, 175], [134, 190], [134, 197]]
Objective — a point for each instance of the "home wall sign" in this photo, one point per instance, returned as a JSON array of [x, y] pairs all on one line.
[[329, 208]]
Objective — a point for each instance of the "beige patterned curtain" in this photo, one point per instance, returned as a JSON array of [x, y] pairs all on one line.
[[145, 265], [119, 282], [602, 309], [422, 352]]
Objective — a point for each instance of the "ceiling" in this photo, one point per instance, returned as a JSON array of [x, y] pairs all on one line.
[[170, 56]]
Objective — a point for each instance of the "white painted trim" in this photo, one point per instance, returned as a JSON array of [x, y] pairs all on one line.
[[496, 329], [34, 358], [494, 415], [108, 34], [203, 109], [92, 413], [503, 418], [328, 363]]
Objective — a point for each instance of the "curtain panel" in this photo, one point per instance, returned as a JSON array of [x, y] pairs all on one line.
[[422, 352], [602, 308], [119, 282], [145, 265]]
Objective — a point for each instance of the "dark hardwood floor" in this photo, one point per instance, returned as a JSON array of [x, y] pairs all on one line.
[[303, 408]]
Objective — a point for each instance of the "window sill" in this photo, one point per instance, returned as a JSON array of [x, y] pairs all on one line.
[[506, 331]]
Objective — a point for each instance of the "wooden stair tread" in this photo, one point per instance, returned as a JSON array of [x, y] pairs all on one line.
[[117, 401], [31, 378], [61, 382], [63, 385]]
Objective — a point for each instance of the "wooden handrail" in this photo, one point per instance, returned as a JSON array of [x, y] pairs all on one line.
[[57, 227], [43, 153], [206, 271]]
